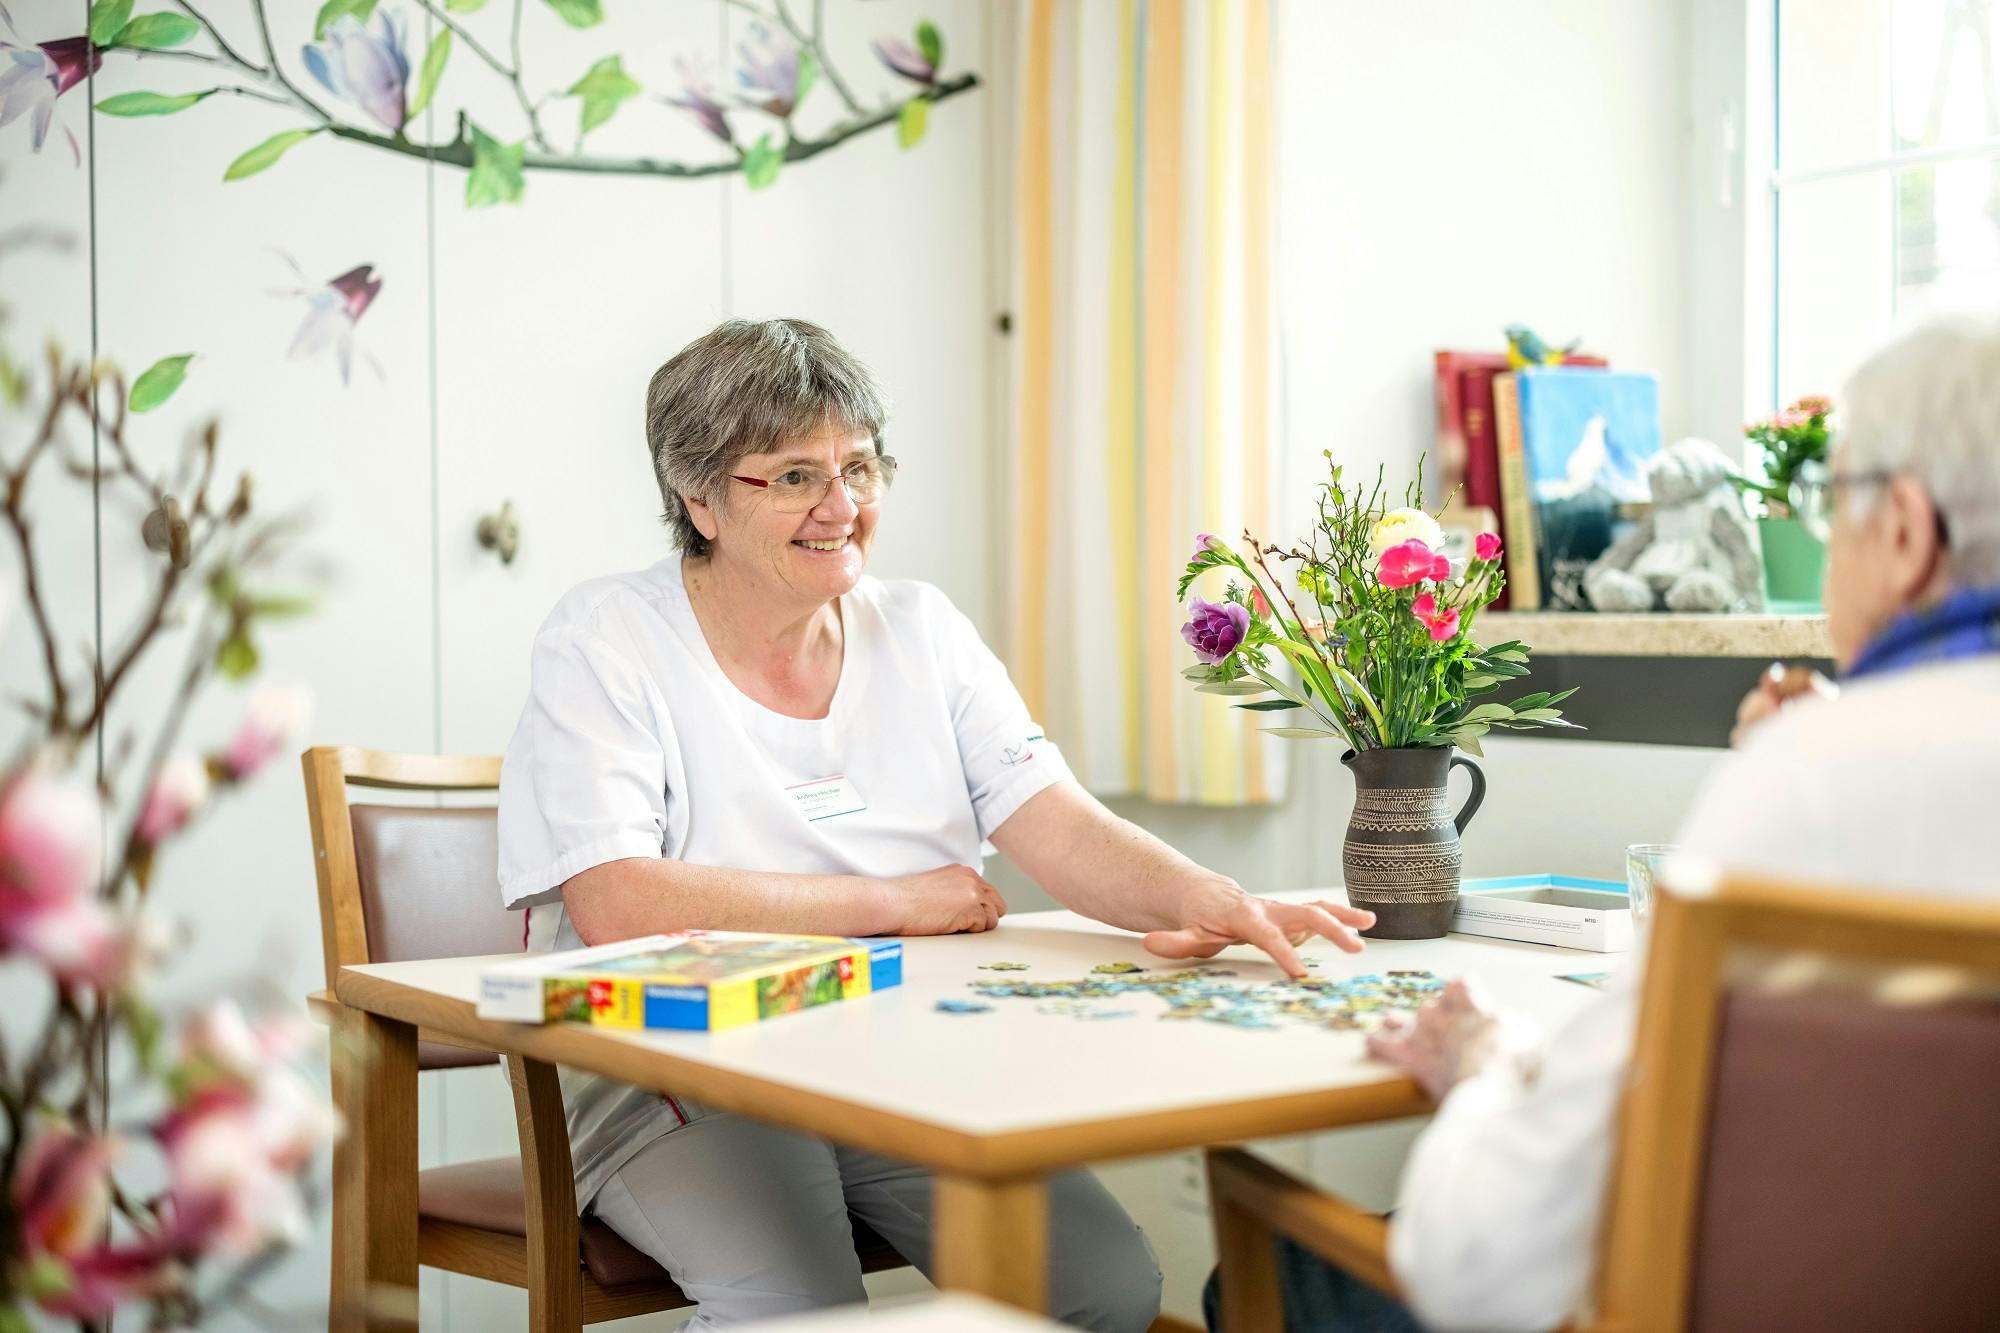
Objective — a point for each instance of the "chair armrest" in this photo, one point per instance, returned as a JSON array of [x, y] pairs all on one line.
[[1256, 1202]]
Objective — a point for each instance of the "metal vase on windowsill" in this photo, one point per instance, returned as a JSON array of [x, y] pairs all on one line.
[[1401, 857]]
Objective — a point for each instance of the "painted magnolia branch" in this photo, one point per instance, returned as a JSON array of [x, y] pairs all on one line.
[[466, 149]]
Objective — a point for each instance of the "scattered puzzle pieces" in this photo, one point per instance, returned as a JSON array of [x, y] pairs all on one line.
[[1360, 1003], [963, 1007], [1117, 969], [1003, 967]]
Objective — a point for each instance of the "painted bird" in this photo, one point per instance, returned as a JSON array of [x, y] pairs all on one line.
[[1525, 348]]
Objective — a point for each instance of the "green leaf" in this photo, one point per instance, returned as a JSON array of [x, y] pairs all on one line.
[[579, 13], [808, 72], [912, 121], [236, 656], [428, 75], [13, 385], [1234, 687], [150, 104], [761, 163], [1468, 741], [156, 32], [142, 1022], [1300, 733], [334, 9], [279, 606], [106, 18], [266, 153], [159, 381], [603, 90], [496, 171], [1474, 683], [1487, 713], [463, 6], [223, 587], [1270, 705], [930, 44]]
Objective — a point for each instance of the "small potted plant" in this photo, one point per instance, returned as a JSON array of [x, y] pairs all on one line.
[[1381, 640], [1794, 559]]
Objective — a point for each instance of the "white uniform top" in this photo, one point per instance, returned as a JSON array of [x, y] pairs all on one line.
[[633, 743], [1888, 787]]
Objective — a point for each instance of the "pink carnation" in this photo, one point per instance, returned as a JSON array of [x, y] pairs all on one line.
[[1410, 562], [1486, 546], [1442, 624]]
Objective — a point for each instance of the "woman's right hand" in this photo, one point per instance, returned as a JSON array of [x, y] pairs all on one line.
[[1777, 687], [943, 902]]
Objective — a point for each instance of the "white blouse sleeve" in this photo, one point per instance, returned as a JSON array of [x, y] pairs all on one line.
[[585, 777], [1006, 757]]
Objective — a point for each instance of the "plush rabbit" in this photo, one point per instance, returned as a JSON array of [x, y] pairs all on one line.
[[1694, 552]]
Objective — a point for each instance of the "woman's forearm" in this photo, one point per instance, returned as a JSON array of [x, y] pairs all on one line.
[[1099, 865], [649, 895]]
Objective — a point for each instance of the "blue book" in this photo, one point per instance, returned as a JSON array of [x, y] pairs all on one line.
[[1587, 436]]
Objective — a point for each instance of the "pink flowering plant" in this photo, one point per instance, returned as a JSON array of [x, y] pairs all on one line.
[[1375, 626], [150, 1160], [1790, 441]]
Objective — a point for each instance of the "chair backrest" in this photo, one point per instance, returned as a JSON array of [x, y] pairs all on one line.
[[1807, 1134], [401, 882]]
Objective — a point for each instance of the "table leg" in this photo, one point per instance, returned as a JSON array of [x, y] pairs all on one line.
[[374, 1280], [993, 1238]]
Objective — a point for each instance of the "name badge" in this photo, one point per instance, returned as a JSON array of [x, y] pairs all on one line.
[[824, 798]]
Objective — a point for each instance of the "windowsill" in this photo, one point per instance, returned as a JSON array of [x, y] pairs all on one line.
[[1591, 634]]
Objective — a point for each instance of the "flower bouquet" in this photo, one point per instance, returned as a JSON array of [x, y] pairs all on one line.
[[1380, 638], [1794, 559]]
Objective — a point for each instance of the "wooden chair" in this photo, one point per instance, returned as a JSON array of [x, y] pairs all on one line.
[[400, 882], [1806, 1139]]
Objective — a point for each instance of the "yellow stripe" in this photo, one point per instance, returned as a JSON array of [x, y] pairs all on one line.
[[1161, 259], [1257, 321], [1219, 733], [1121, 427], [1036, 419]]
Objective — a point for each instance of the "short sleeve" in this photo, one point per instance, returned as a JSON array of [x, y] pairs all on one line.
[[1006, 757], [585, 776]]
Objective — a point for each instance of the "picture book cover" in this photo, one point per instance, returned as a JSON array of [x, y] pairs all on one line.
[[690, 980], [1585, 437]]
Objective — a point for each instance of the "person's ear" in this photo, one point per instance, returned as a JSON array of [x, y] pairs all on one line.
[[1916, 538], [704, 517]]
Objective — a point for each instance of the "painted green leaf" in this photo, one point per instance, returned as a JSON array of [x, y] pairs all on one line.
[[264, 154], [236, 656], [761, 163], [150, 104], [496, 171], [463, 6], [579, 13], [603, 89], [156, 32], [159, 381], [334, 9], [808, 72], [912, 121], [106, 18], [930, 44], [432, 70]]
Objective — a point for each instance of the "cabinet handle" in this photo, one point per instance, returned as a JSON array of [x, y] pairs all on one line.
[[501, 532]]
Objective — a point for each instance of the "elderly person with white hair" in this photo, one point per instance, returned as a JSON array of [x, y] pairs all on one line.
[[1886, 782], [753, 734]]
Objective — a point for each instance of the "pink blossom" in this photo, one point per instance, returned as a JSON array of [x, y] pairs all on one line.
[[1215, 629], [49, 832], [275, 716], [1442, 624], [177, 793], [1258, 602], [1486, 546], [1410, 562], [63, 1195]]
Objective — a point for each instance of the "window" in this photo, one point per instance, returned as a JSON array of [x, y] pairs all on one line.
[[1886, 194]]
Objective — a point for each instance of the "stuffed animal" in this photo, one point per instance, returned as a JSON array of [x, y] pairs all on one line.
[[1693, 552]]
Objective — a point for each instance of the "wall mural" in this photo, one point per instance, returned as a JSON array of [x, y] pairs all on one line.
[[369, 94]]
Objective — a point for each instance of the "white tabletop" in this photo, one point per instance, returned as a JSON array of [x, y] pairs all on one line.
[[1016, 1068], [949, 1312]]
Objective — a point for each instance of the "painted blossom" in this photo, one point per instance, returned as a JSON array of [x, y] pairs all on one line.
[[1402, 525], [905, 60], [769, 74], [275, 716], [1442, 624], [1215, 629], [177, 793], [33, 77], [366, 64], [1410, 562], [698, 99], [1486, 546], [334, 309]]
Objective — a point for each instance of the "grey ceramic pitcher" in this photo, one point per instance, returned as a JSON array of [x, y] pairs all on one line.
[[1401, 857]]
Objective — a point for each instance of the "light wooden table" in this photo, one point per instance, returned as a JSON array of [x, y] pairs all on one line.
[[991, 1103]]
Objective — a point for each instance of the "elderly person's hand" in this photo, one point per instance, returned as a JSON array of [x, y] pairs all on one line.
[[1219, 913], [1453, 1037], [1778, 686]]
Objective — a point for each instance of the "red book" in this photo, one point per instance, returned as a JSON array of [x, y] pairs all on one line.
[[1468, 448]]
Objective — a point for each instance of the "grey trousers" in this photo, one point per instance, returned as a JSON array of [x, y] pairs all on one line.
[[751, 1221]]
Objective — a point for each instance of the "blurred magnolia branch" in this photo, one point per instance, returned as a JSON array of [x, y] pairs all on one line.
[[360, 55]]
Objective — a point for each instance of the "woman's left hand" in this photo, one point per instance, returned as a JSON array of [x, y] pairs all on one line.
[[1219, 914]]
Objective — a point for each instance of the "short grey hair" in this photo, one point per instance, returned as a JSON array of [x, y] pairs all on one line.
[[1928, 406], [747, 387]]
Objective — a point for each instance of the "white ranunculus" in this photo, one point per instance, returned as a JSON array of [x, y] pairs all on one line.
[[1403, 525]]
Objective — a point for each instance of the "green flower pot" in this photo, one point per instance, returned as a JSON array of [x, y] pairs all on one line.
[[1794, 564]]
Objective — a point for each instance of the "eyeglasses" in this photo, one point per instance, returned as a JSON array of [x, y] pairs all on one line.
[[799, 489], [1816, 490]]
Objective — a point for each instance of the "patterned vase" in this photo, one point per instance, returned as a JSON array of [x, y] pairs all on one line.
[[1401, 857]]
